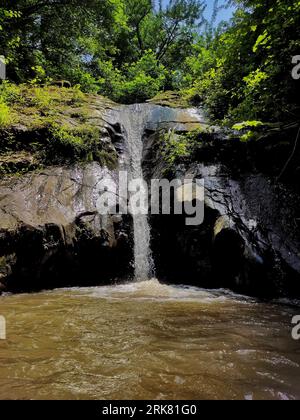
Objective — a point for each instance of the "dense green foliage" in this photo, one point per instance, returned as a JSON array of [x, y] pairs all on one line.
[[131, 50], [245, 71], [120, 48]]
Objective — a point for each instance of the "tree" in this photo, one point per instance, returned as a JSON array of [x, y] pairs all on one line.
[[245, 71], [43, 39]]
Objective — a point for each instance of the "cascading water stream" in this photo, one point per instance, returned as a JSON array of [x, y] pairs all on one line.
[[134, 119]]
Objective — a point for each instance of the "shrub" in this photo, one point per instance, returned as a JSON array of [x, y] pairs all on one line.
[[144, 79], [136, 82], [9, 92]]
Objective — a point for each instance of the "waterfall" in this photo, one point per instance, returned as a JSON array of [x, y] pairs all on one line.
[[134, 119]]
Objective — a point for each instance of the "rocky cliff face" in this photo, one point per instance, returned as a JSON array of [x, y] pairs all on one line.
[[51, 232], [250, 238], [52, 235]]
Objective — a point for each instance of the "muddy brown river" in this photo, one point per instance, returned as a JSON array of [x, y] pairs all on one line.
[[147, 341]]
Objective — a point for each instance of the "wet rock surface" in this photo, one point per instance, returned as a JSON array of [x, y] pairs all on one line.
[[52, 235], [250, 238]]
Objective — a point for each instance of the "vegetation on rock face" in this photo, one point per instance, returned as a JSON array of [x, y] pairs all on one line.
[[50, 125], [171, 99], [5, 118], [178, 148], [252, 148]]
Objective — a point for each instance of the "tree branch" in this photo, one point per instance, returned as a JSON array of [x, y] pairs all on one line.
[[167, 42], [291, 157], [138, 28]]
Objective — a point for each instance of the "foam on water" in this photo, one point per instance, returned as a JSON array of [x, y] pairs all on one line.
[[154, 290]]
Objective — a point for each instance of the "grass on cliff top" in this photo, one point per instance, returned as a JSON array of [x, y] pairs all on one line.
[[51, 125], [33, 106], [170, 99]]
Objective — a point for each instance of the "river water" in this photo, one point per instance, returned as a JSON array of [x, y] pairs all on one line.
[[147, 341]]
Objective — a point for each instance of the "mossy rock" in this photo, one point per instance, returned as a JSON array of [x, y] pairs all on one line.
[[170, 99], [53, 126], [18, 163]]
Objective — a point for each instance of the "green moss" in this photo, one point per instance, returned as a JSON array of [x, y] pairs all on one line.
[[50, 125], [18, 163], [107, 158], [32, 105], [174, 147], [170, 99], [65, 144]]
